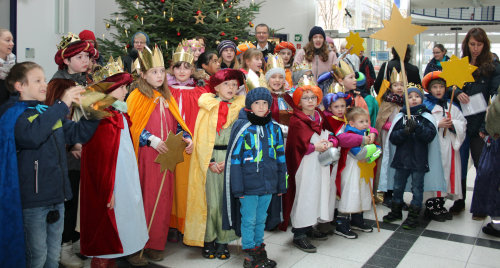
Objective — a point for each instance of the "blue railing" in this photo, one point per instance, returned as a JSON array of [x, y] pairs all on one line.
[[462, 13]]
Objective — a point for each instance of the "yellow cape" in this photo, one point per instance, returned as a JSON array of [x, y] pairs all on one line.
[[204, 141]]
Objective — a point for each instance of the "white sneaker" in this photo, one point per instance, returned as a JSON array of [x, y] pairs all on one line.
[[68, 258]]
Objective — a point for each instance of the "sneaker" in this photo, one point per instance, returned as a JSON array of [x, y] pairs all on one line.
[[304, 244], [344, 229], [136, 260], [68, 258], [457, 207], [490, 230], [314, 234], [358, 223]]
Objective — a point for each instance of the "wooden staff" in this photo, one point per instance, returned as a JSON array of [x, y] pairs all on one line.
[[405, 82], [374, 207], [154, 209], [449, 108]]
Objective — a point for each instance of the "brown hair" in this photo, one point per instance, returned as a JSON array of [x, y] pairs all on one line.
[[146, 89], [484, 61], [18, 73], [440, 47], [194, 73], [354, 112], [309, 49], [249, 54]]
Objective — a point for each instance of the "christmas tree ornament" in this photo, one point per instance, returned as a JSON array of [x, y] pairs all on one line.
[[225, 1], [199, 18], [178, 33], [222, 34], [198, 12], [227, 19], [171, 19], [164, 13], [217, 42], [136, 16], [142, 20], [235, 38], [126, 32], [163, 1], [108, 25], [354, 43], [238, 17]]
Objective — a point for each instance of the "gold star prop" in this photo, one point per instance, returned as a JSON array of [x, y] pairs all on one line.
[[199, 18], [398, 32], [175, 146], [457, 71], [356, 42], [366, 170]]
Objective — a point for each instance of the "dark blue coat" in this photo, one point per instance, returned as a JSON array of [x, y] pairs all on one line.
[[486, 198]]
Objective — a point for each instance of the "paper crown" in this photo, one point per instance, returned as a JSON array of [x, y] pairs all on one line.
[[335, 88], [274, 61], [136, 67], [254, 80], [242, 47], [111, 68], [395, 76], [306, 81], [183, 53], [150, 59], [339, 72], [96, 100], [301, 66], [67, 39]]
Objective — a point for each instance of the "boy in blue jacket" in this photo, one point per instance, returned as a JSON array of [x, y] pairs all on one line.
[[33, 139], [256, 168]]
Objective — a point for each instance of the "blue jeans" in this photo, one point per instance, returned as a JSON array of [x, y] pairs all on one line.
[[253, 219], [43, 240], [417, 186]]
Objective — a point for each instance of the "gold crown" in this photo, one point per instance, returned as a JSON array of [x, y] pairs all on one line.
[[67, 39], [395, 76], [255, 81], [111, 68], [336, 88], [274, 61], [339, 72], [306, 81], [150, 59], [96, 100], [183, 53], [136, 67], [415, 85], [301, 66]]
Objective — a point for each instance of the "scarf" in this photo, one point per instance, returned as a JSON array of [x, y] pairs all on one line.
[[394, 98], [257, 120], [222, 116], [5, 65], [172, 81]]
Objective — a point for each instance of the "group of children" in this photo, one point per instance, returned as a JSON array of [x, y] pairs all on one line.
[[248, 144]]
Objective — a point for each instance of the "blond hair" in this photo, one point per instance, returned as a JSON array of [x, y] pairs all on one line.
[[249, 54], [355, 112]]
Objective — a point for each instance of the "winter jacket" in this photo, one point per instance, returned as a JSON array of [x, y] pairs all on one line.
[[412, 149], [318, 66], [412, 73], [41, 140], [434, 65], [258, 159]]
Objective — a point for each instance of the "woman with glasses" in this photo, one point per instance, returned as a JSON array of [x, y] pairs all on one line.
[[138, 42], [434, 64]]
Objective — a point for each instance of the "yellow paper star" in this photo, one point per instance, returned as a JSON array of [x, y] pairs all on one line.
[[457, 71], [356, 42], [398, 32], [366, 170], [175, 146], [199, 18]]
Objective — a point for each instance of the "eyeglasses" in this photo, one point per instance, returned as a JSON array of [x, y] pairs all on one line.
[[139, 43], [260, 33], [313, 98]]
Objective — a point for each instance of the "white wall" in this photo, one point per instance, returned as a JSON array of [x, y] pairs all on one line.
[[36, 28], [4, 14]]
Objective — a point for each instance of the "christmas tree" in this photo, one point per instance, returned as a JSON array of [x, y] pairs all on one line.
[[167, 22]]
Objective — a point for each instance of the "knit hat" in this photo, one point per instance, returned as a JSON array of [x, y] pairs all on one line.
[[225, 44], [139, 33], [316, 30], [86, 35], [418, 91], [260, 93], [329, 40]]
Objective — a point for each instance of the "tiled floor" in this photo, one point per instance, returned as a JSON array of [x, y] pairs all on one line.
[[456, 243]]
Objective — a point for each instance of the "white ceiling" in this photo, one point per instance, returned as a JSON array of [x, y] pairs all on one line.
[[452, 3]]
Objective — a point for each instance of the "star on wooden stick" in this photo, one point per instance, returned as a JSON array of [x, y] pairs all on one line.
[[199, 18], [457, 71], [366, 170], [356, 42], [175, 145], [398, 32]]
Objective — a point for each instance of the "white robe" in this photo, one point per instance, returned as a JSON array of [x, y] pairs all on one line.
[[355, 192], [452, 141], [315, 191]]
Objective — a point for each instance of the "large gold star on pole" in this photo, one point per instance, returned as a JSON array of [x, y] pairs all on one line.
[[398, 32], [355, 42], [457, 71], [175, 145], [199, 18], [366, 170]]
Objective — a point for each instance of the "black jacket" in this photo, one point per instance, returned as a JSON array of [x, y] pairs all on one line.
[[129, 59], [432, 65], [269, 50], [412, 73], [41, 140], [412, 149]]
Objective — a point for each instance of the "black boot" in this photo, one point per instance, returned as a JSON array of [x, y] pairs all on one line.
[[447, 215], [411, 221], [358, 223], [263, 256], [458, 206], [395, 214], [344, 227], [303, 243], [251, 258], [314, 234], [432, 210]]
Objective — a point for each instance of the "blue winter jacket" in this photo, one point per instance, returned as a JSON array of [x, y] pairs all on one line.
[[258, 159]]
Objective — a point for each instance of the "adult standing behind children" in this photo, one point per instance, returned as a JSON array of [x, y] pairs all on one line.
[[262, 34], [316, 53], [7, 60], [434, 64], [138, 41]]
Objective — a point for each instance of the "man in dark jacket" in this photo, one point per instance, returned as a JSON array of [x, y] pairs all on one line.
[[262, 34]]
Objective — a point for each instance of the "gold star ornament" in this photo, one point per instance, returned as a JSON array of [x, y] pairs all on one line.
[[170, 159], [355, 42], [199, 18], [366, 170], [457, 71], [398, 32]]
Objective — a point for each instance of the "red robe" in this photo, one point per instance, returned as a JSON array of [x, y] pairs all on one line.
[[99, 234]]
